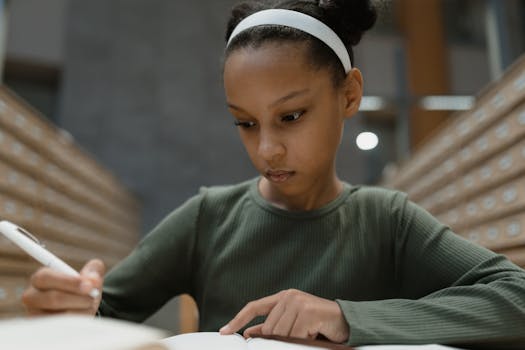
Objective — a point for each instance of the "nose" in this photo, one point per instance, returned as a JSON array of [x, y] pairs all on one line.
[[270, 146]]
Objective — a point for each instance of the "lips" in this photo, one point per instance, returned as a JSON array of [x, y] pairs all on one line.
[[279, 176]]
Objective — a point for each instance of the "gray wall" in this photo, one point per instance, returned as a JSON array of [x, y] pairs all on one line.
[[36, 30]]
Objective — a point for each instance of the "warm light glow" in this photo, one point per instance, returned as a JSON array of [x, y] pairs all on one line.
[[367, 141]]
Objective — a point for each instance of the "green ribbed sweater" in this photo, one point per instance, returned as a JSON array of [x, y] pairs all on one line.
[[398, 274]]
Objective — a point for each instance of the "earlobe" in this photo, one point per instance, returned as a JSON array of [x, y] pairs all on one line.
[[353, 92]]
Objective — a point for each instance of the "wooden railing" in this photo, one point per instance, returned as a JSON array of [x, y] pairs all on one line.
[[54, 189], [471, 173]]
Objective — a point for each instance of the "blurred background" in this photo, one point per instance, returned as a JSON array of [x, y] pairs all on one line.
[[136, 84]]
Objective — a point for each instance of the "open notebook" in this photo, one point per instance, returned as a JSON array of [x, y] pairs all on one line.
[[87, 333], [215, 341]]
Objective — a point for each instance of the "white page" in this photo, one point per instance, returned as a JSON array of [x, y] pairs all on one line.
[[205, 341], [215, 341], [405, 347], [265, 344], [74, 332]]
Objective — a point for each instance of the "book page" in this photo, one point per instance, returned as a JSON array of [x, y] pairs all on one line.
[[77, 332], [405, 347], [271, 344], [302, 344], [205, 341], [215, 341]]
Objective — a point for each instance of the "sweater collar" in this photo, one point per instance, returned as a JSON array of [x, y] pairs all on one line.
[[308, 214]]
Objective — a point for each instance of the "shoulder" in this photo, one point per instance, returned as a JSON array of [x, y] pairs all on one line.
[[213, 201], [225, 197], [225, 192], [385, 207], [378, 197], [397, 209]]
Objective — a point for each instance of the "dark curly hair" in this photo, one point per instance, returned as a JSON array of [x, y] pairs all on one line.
[[349, 19]]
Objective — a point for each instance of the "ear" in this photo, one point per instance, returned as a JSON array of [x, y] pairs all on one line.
[[352, 92]]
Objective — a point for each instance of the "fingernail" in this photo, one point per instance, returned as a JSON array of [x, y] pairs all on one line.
[[225, 330], [94, 293]]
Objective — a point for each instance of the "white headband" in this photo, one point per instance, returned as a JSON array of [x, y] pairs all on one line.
[[297, 20]]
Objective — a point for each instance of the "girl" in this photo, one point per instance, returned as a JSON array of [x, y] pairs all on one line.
[[311, 254]]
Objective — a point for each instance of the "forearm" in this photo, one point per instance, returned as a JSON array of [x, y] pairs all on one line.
[[482, 313]]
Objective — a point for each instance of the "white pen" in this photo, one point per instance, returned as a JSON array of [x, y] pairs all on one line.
[[33, 247]]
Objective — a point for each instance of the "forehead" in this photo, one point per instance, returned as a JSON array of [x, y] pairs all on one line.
[[280, 65]]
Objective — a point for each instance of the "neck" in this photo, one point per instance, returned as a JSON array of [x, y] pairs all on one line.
[[320, 193]]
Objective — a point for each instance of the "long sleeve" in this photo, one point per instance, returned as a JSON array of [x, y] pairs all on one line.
[[159, 268], [398, 274], [450, 290]]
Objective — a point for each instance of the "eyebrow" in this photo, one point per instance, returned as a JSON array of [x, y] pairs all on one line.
[[280, 100]]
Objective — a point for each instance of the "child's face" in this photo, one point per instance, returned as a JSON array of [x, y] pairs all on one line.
[[291, 115]]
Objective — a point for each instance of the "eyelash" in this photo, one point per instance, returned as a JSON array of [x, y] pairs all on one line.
[[295, 116], [244, 125]]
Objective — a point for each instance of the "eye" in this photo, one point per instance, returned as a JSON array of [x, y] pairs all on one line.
[[292, 116], [244, 125]]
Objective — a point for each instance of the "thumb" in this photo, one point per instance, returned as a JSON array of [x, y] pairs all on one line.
[[93, 277], [94, 266], [94, 270]]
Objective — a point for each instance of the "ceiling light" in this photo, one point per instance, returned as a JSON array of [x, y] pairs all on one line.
[[367, 141]]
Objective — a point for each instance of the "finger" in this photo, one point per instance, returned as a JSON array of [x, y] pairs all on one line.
[[253, 331], [284, 325], [38, 312], [48, 279], [260, 307], [273, 318], [92, 275], [53, 300], [302, 328], [94, 268]]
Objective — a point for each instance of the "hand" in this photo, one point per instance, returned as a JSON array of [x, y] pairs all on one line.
[[52, 292], [292, 313]]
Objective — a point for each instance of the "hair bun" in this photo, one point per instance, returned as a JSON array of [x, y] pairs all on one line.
[[351, 18]]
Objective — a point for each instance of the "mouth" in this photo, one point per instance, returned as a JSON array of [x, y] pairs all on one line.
[[279, 176]]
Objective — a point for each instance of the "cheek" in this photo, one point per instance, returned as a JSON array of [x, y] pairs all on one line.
[[250, 143], [311, 148], [321, 141], [332, 133]]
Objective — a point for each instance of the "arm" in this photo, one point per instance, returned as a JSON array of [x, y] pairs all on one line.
[[158, 269], [451, 291]]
